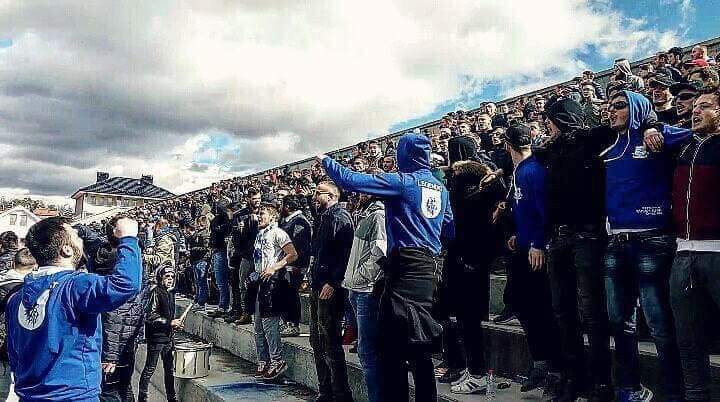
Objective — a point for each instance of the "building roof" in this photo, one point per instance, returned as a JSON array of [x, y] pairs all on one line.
[[126, 186], [45, 212]]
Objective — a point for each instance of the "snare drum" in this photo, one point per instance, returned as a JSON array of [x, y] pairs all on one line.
[[192, 359]]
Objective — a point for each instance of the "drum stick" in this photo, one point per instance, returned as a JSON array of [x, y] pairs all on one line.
[[185, 313]]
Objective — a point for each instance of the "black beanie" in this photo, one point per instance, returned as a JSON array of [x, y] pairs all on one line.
[[518, 136], [566, 114]]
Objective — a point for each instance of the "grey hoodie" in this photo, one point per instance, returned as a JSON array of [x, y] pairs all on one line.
[[635, 82], [369, 245]]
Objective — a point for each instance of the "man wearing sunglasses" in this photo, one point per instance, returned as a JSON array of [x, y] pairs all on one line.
[[417, 213], [662, 99], [684, 94], [640, 246]]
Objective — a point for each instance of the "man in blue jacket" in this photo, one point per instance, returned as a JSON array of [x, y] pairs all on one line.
[[638, 192], [417, 213], [54, 330], [530, 284]]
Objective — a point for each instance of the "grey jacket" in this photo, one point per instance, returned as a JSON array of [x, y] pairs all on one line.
[[369, 245]]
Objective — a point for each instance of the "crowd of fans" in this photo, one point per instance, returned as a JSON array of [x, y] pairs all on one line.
[[598, 200]]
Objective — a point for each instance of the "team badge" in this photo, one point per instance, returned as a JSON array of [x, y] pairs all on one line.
[[431, 199], [33, 317]]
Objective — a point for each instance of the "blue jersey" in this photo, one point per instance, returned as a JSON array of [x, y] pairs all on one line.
[[54, 331], [529, 200], [417, 206]]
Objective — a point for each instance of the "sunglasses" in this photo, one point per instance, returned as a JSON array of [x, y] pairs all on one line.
[[686, 97], [617, 105]]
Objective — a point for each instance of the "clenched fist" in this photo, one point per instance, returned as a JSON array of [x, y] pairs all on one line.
[[125, 227]]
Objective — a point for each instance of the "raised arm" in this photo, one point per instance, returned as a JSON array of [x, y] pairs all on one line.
[[94, 294], [381, 185]]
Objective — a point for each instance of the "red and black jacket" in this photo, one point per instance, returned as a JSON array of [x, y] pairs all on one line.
[[696, 189]]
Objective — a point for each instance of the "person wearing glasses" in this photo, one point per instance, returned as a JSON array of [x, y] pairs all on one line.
[[418, 214], [640, 247], [694, 277], [684, 94]]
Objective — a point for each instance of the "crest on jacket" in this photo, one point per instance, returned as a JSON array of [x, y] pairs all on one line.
[[431, 200], [33, 317]]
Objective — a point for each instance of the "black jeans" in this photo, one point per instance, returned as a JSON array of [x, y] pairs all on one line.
[[470, 290], [406, 327], [155, 351], [295, 277], [575, 268], [117, 387], [695, 278], [234, 280], [533, 306], [326, 340]]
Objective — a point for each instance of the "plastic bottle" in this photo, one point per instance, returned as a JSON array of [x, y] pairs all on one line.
[[491, 392]]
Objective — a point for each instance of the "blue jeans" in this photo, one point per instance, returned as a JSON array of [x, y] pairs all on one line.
[[365, 307], [638, 265], [267, 337], [219, 263], [201, 285]]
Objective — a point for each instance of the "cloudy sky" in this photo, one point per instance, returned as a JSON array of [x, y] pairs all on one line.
[[194, 91]]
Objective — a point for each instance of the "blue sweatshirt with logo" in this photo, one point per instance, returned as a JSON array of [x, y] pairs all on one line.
[[54, 329], [417, 206], [638, 182], [529, 200]]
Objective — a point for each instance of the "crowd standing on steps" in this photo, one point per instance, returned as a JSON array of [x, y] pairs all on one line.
[[597, 199]]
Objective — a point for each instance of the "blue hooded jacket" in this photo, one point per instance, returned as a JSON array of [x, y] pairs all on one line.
[[54, 329], [417, 205], [638, 182]]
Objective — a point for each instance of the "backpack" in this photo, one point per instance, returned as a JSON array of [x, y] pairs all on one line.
[[7, 289]]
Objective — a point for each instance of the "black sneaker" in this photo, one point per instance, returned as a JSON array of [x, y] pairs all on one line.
[[231, 317], [602, 393], [505, 317], [535, 379], [450, 376], [554, 387]]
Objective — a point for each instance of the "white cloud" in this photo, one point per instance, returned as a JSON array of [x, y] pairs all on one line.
[[144, 87]]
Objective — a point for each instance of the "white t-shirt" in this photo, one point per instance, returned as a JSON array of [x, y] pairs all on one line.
[[268, 246]]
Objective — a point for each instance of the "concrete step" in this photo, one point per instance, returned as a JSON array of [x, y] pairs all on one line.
[[230, 379], [239, 340], [497, 287]]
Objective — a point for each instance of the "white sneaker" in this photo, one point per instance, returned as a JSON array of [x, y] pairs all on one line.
[[471, 385], [463, 377]]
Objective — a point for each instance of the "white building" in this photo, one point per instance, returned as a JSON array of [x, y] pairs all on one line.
[[111, 192], [17, 219]]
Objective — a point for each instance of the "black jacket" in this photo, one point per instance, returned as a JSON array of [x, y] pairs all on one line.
[[243, 240], [160, 312], [331, 246], [219, 228], [198, 245], [7, 260], [476, 238], [300, 231]]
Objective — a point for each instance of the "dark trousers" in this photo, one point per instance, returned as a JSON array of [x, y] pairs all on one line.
[[638, 265], [295, 277], [694, 280], [470, 291], [155, 351], [575, 268], [533, 306], [117, 387], [406, 327], [234, 280], [326, 340]]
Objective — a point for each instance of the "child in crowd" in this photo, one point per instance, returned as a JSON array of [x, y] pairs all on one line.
[[160, 325]]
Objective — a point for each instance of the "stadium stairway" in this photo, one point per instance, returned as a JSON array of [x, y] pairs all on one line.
[[506, 351]]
